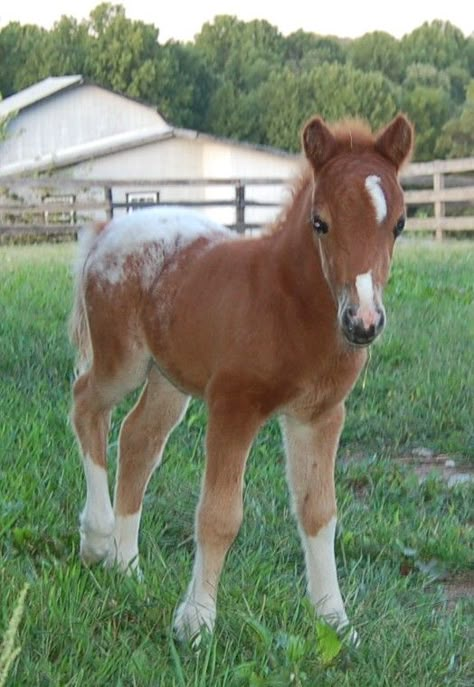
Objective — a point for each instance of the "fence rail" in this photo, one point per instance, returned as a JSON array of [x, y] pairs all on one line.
[[439, 197]]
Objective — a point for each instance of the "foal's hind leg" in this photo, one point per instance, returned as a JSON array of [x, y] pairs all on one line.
[[311, 451], [95, 393], [91, 417], [230, 433], [142, 440]]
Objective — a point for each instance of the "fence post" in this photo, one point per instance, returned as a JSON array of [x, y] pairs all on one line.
[[109, 212], [439, 206], [240, 207]]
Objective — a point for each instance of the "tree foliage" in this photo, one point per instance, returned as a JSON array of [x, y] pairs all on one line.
[[122, 54], [457, 135], [292, 98], [379, 52], [247, 81]]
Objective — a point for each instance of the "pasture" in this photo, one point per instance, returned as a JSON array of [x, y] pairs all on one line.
[[403, 545]]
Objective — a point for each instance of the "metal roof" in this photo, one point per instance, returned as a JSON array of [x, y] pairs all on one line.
[[88, 151], [104, 146], [118, 143], [39, 91]]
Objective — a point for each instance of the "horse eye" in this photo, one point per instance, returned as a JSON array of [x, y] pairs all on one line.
[[400, 225], [319, 225]]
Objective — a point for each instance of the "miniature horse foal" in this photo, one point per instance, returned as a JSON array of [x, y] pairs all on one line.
[[274, 325]]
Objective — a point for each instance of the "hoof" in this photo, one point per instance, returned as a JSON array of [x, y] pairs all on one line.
[[192, 619], [129, 567], [352, 637], [344, 629], [97, 543], [95, 547]]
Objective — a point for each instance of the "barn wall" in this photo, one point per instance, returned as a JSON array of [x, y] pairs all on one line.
[[199, 158], [223, 160]]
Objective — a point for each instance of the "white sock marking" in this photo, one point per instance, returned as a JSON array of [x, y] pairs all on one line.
[[98, 513], [97, 519], [198, 610], [377, 196], [126, 540], [322, 575]]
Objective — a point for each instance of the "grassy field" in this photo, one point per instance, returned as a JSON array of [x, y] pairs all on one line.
[[402, 545]]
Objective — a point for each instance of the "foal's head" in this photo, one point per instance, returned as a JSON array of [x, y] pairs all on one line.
[[357, 212]]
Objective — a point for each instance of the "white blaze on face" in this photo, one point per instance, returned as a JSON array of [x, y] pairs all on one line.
[[377, 196], [365, 290], [365, 293]]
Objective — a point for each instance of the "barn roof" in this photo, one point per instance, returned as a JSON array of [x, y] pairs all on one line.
[[108, 145], [118, 143], [39, 91]]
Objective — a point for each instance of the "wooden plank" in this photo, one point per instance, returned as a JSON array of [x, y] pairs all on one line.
[[443, 166], [51, 183], [37, 229], [181, 203], [93, 207], [446, 195], [446, 223], [438, 186], [53, 207]]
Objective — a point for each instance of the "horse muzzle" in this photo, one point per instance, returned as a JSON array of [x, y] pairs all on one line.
[[359, 327]]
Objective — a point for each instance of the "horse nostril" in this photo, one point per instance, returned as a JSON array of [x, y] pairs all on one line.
[[348, 317]]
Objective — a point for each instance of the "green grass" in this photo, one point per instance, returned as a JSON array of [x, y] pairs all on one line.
[[89, 627]]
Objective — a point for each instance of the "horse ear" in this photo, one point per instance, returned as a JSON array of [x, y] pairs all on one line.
[[396, 141], [318, 142]]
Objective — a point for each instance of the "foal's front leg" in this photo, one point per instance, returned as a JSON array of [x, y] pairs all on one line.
[[219, 514], [311, 450]]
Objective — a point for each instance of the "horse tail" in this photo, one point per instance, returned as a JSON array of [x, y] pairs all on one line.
[[79, 333]]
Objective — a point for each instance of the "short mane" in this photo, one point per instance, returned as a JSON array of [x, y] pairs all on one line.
[[353, 135]]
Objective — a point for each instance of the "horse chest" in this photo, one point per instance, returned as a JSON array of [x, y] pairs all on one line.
[[328, 385]]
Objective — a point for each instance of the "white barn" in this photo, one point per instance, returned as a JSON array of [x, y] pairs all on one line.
[[70, 127]]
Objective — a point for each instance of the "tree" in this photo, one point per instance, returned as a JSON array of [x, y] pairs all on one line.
[[422, 74], [23, 57], [378, 51], [122, 53], [244, 53], [438, 43], [183, 85], [334, 91], [429, 108], [459, 78], [305, 50], [426, 98], [457, 136], [68, 46], [240, 57]]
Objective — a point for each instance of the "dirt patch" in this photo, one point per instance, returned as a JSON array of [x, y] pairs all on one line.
[[459, 587], [425, 463]]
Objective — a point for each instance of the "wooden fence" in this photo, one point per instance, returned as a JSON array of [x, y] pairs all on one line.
[[439, 196], [445, 189]]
